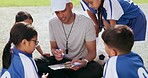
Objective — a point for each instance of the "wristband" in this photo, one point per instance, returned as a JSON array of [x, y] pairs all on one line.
[[85, 61]]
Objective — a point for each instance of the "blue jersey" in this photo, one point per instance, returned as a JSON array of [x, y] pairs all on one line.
[[22, 66], [125, 12], [125, 66]]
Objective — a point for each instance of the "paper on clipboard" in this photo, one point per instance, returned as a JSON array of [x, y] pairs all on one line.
[[64, 65]]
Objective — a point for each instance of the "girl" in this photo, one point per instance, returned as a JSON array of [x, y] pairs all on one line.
[[117, 12], [18, 63], [26, 17]]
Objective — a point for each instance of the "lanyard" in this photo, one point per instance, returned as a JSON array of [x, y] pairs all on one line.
[[67, 37]]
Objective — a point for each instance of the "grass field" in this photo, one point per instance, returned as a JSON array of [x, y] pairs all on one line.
[[11, 3]]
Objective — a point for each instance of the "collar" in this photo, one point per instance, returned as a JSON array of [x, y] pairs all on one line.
[[17, 51]]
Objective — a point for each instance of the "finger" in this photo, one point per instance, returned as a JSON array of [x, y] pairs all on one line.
[[75, 68], [47, 74]]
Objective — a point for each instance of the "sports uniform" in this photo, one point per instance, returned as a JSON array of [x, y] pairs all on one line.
[[124, 12], [22, 66], [125, 66]]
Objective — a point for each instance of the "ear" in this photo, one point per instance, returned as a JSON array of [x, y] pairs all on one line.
[[25, 42], [114, 52], [71, 5]]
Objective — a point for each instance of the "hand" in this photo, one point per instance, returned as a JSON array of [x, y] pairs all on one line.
[[82, 64], [46, 54], [58, 53], [45, 75]]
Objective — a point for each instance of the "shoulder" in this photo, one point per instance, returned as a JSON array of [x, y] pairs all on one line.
[[111, 63], [6, 74], [112, 60], [54, 18], [83, 19], [110, 70]]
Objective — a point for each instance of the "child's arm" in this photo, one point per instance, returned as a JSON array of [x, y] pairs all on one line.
[[41, 51], [45, 75], [112, 22]]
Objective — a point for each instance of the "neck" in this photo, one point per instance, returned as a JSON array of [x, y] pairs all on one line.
[[72, 18]]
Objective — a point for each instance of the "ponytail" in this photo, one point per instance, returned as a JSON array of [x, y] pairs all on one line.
[[100, 9], [6, 57]]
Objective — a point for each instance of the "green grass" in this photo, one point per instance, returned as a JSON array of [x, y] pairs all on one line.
[[141, 1], [11, 3]]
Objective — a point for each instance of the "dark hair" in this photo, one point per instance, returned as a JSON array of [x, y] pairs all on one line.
[[120, 37], [18, 32], [100, 14], [21, 16]]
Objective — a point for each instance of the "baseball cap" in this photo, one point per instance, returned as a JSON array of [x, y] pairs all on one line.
[[58, 5]]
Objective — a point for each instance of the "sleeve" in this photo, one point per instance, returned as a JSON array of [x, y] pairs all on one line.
[[113, 9], [110, 70], [90, 31], [28, 66], [51, 34], [6, 74], [3, 70]]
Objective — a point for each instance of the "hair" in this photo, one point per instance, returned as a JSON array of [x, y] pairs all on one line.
[[21, 16], [100, 10], [120, 37], [18, 32]]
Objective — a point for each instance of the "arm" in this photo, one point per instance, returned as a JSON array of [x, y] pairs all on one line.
[[93, 17], [106, 24], [112, 22], [41, 51], [91, 46], [53, 45]]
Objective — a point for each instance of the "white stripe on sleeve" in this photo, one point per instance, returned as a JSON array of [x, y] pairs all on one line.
[[29, 69], [113, 9], [110, 69]]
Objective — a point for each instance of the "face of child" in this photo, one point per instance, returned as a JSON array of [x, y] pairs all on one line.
[[107, 50], [95, 4], [32, 44], [110, 51]]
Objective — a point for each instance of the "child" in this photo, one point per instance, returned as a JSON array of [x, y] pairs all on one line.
[[17, 61], [123, 12], [26, 17], [123, 63]]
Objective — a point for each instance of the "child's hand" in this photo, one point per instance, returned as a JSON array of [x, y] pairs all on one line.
[[45, 75]]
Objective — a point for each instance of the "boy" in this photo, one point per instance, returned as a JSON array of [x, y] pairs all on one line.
[[123, 63]]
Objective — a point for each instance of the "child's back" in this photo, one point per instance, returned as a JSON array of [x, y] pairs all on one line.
[[123, 63]]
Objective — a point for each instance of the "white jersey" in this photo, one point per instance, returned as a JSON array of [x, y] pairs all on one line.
[[125, 66], [22, 66]]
